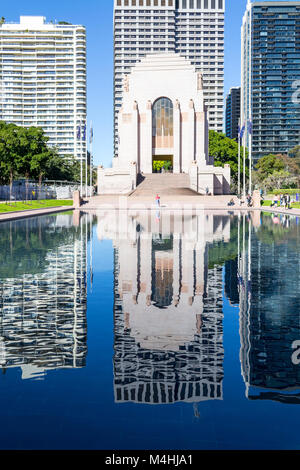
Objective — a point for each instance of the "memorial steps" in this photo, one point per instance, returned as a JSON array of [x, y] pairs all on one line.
[[164, 184]]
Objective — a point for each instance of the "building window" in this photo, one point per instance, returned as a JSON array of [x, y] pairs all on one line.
[[162, 123]]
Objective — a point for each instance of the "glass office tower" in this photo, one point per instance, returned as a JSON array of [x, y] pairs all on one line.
[[233, 110], [270, 71], [192, 28]]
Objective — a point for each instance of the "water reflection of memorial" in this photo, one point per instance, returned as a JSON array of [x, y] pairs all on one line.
[[43, 294], [269, 274], [168, 316]]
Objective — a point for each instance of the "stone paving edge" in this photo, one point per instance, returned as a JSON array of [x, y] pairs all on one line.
[[8, 216]]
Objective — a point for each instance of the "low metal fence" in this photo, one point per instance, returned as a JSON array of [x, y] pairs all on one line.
[[32, 191]]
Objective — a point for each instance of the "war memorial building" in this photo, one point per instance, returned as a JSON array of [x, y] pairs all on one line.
[[163, 118], [168, 309]]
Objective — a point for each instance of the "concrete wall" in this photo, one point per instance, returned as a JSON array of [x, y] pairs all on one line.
[[117, 181]]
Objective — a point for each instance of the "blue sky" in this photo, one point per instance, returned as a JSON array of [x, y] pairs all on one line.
[[97, 16]]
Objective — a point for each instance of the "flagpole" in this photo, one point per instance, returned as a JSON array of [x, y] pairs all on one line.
[[239, 161], [91, 156], [244, 169], [80, 159], [250, 103], [250, 159], [86, 160]]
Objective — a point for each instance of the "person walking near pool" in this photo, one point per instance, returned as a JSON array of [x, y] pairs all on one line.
[[284, 200], [157, 200]]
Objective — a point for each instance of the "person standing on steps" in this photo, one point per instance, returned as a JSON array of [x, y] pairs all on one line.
[[157, 200]]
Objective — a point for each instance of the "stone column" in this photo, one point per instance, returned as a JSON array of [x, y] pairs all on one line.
[[146, 144], [146, 270], [176, 270], [133, 175], [256, 199], [76, 199], [193, 173], [200, 270], [177, 166], [226, 179], [135, 133], [100, 179], [200, 139], [191, 124], [187, 274]]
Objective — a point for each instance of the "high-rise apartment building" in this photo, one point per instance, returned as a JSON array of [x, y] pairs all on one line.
[[269, 321], [43, 79], [270, 75], [192, 28], [43, 304], [232, 114]]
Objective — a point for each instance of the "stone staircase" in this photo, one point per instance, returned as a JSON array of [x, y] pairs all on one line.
[[164, 184]]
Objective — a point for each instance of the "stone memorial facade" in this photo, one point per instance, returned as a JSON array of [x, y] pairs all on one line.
[[163, 119]]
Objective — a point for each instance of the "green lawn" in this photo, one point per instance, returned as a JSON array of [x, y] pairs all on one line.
[[296, 205], [21, 206], [266, 203]]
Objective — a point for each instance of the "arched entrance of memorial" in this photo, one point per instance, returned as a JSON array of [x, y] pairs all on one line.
[[162, 135]]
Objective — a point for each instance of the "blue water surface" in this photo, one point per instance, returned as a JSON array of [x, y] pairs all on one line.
[[150, 338]]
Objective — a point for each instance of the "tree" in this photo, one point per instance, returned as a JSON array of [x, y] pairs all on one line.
[[276, 172], [9, 150], [32, 142], [295, 153], [24, 153], [279, 179], [4, 174], [268, 165], [41, 162], [225, 151]]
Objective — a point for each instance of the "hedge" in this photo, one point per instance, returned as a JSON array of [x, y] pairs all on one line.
[[276, 192]]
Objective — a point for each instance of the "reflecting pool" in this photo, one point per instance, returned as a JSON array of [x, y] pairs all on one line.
[[150, 330]]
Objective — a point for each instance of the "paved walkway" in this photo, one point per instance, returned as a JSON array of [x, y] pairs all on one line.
[[167, 202], [98, 203], [174, 202], [281, 210], [7, 216]]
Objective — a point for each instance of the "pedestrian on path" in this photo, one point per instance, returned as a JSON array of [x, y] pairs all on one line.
[[157, 200], [275, 201]]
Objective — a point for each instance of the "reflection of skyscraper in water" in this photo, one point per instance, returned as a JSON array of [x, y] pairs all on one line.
[[231, 281], [269, 313], [168, 309], [43, 306]]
